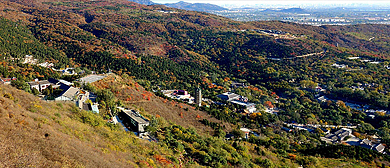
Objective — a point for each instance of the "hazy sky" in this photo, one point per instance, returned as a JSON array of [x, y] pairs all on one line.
[[276, 1]]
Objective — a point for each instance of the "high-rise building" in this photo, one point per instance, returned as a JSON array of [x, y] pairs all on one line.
[[198, 97]]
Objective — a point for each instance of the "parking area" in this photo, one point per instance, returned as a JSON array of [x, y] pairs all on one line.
[[91, 78]]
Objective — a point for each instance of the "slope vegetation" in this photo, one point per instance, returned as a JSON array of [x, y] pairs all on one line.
[[47, 134]]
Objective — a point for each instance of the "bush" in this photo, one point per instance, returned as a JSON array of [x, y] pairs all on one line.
[[8, 96], [88, 117], [58, 115]]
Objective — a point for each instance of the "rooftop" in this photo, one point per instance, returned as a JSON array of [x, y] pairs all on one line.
[[245, 130], [70, 92], [39, 82], [228, 96], [66, 82], [243, 103], [134, 115]]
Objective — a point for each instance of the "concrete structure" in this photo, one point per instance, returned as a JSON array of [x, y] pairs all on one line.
[[39, 85], [90, 107], [29, 59], [322, 99], [69, 93], [379, 148], [339, 135], [238, 85], [198, 97], [228, 96], [339, 65], [133, 119], [239, 100], [7, 81], [343, 132], [250, 107], [46, 65], [366, 143], [179, 94], [91, 78], [246, 132], [82, 97], [60, 82]]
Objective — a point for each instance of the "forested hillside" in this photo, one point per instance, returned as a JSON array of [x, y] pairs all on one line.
[[303, 74]]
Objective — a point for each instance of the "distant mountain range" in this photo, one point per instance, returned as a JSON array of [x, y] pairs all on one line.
[[288, 10], [203, 7], [145, 2], [195, 6]]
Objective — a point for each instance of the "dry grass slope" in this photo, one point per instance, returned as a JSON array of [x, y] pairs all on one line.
[[48, 134]]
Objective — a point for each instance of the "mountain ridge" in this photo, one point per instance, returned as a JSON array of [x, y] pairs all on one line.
[[203, 7]]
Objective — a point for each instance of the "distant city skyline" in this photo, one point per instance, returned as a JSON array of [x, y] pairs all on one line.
[[285, 2]]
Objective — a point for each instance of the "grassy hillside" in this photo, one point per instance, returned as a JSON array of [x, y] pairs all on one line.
[[151, 49], [48, 134]]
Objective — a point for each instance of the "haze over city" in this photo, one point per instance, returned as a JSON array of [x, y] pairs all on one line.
[[222, 2]]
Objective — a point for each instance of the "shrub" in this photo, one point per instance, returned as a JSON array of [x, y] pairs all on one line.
[[8, 96], [88, 117], [58, 115]]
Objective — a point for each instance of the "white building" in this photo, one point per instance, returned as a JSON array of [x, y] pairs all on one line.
[[228, 96], [39, 85], [69, 94], [250, 107]]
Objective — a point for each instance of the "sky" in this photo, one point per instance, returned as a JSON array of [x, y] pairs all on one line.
[[237, 2]]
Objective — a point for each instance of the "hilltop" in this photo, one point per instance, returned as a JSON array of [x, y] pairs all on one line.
[[144, 2], [203, 7]]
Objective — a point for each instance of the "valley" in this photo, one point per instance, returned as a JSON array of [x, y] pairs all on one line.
[[199, 90]]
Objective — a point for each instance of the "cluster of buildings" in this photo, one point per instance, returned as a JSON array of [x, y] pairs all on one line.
[[238, 85], [363, 108], [345, 135], [338, 136], [7, 81], [341, 66], [365, 60], [167, 12], [185, 96], [272, 32], [366, 143], [328, 20], [29, 59], [66, 71], [277, 34], [239, 100], [68, 93], [361, 86]]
